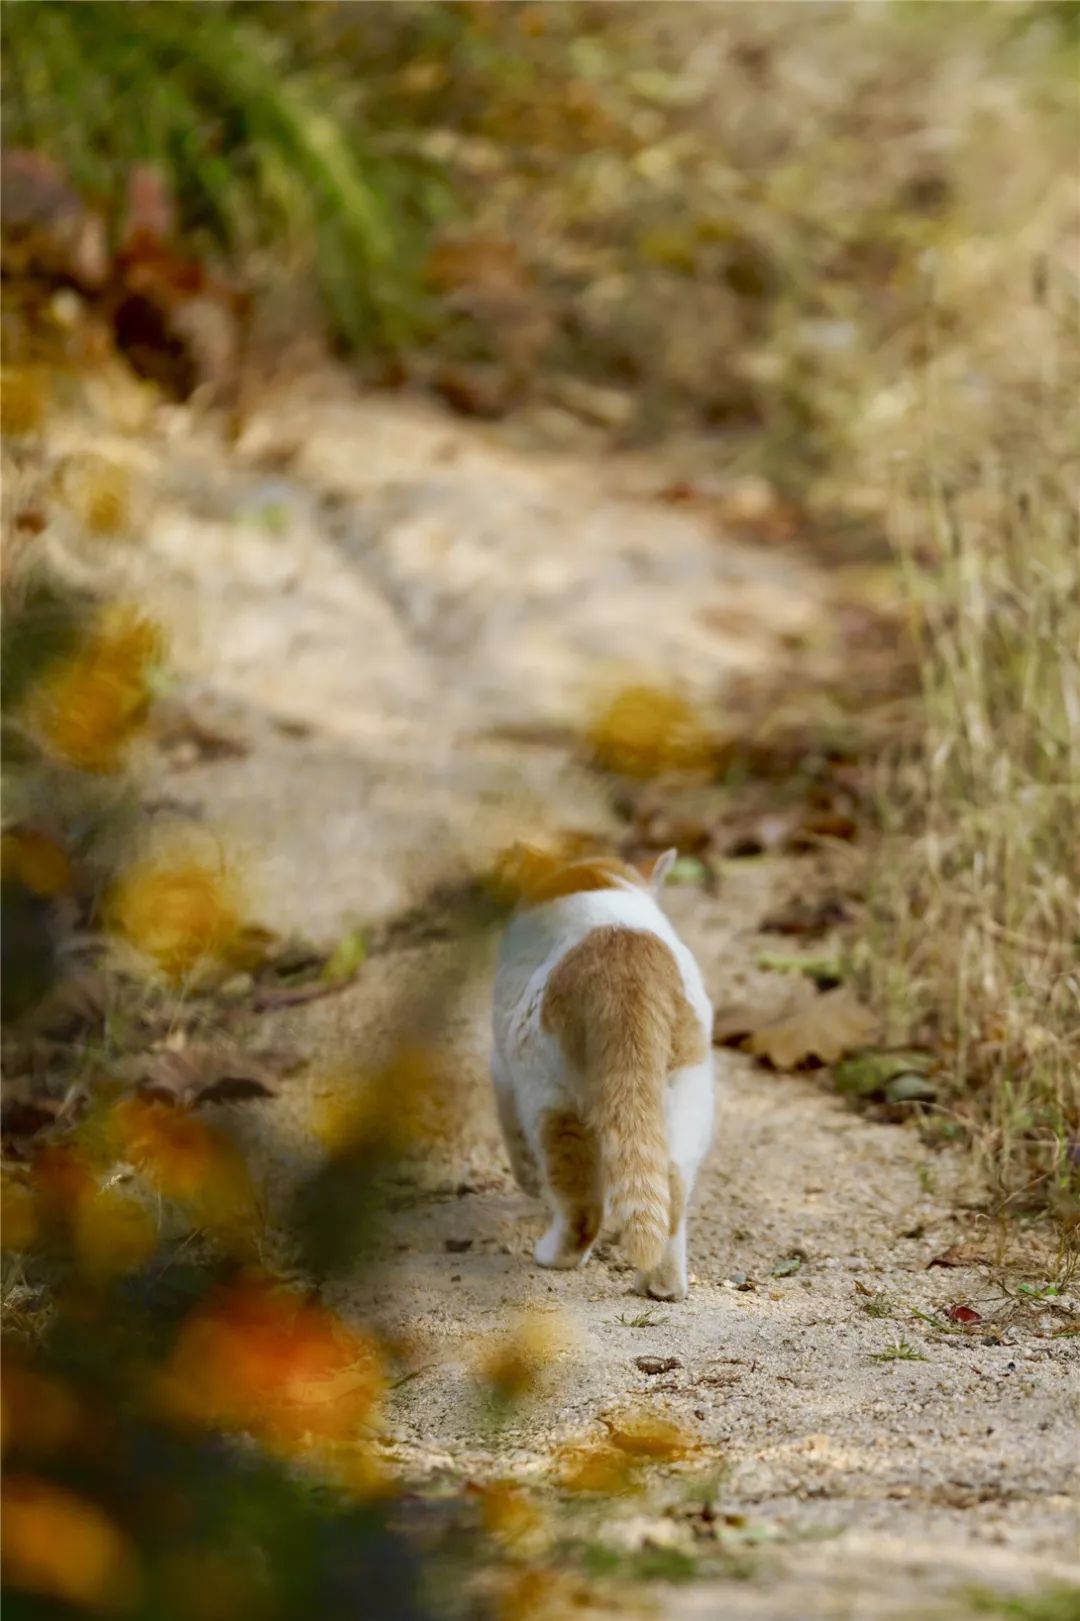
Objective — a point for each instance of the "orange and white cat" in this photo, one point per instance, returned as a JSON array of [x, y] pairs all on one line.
[[603, 1066]]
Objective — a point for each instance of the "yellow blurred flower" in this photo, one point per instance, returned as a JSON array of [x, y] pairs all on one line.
[[596, 1467], [260, 1358], [110, 1231], [98, 494], [24, 400], [409, 1100], [189, 1162], [18, 1216], [62, 1547], [36, 861], [61, 1179], [178, 910], [538, 1593], [511, 1517], [646, 731], [517, 1363], [113, 1233], [87, 707], [641, 1433]]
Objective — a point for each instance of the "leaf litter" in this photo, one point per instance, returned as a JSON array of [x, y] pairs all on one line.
[[819, 1031]]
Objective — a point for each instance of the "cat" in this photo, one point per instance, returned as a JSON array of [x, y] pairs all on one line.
[[602, 1065]]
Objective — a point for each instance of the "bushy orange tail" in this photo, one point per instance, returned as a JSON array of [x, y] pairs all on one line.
[[617, 1006], [626, 1111]]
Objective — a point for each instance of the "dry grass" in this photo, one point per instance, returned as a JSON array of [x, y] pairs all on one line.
[[977, 887]]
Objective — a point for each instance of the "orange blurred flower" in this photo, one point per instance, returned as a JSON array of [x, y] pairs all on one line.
[[259, 1358], [189, 1162], [646, 731], [87, 707], [40, 1415], [64, 1548], [177, 910], [36, 861]]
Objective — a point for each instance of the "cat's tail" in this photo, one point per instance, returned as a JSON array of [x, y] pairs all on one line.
[[626, 1111], [616, 1004]]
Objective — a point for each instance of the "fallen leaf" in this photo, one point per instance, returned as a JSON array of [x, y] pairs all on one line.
[[233, 1089], [680, 492], [267, 1001], [963, 1314], [207, 1073], [481, 391], [647, 1435], [732, 1025], [766, 833], [867, 1074], [24, 1118], [960, 1255], [823, 824], [910, 1088], [689, 870], [188, 740], [824, 1029], [807, 917], [825, 970], [345, 959], [79, 1002], [657, 1364]]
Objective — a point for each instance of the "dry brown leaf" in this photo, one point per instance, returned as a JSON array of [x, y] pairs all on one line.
[[824, 1029], [205, 1073], [732, 1025], [961, 1255]]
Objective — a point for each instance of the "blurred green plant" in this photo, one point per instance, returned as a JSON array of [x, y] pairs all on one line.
[[259, 143]]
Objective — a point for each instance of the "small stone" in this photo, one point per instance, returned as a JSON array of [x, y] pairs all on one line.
[[457, 1246]]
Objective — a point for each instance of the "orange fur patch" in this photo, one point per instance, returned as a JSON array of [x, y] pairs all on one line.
[[535, 877]]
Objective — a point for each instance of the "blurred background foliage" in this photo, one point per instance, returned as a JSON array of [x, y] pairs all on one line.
[[802, 232]]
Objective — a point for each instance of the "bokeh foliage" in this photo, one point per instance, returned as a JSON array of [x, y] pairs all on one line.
[[262, 143]]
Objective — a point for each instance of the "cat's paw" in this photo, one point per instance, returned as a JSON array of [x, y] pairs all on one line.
[[550, 1250], [663, 1284]]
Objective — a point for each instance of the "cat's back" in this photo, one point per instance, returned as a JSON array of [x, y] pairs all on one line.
[[586, 898]]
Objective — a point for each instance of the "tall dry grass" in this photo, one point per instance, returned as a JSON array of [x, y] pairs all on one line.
[[977, 884]]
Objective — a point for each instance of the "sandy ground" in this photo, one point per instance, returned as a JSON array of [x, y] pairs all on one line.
[[370, 621]]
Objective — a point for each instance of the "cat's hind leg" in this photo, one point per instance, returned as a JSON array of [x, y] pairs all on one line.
[[571, 1166], [522, 1161], [669, 1280]]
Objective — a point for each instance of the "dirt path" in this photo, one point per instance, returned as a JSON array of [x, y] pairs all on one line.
[[377, 623]]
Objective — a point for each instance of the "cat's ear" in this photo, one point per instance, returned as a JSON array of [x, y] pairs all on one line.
[[662, 870]]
